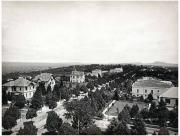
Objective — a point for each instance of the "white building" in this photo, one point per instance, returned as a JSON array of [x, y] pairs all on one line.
[[116, 70], [97, 72], [143, 87], [47, 78], [77, 77], [21, 85], [170, 97]]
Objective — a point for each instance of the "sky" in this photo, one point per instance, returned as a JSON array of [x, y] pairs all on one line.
[[90, 32]]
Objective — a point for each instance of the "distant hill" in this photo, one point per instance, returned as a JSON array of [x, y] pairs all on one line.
[[157, 63], [9, 67]]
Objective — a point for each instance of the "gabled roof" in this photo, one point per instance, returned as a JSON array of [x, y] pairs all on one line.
[[43, 77], [171, 93], [77, 73], [18, 82], [151, 83]]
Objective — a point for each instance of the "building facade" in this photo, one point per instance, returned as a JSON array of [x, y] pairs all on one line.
[[47, 78], [77, 77], [147, 85], [116, 70], [21, 86], [96, 72], [170, 97]]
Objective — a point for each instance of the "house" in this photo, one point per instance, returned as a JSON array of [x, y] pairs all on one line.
[[47, 78], [143, 87], [116, 70], [21, 86], [97, 72], [77, 77], [170, 97]]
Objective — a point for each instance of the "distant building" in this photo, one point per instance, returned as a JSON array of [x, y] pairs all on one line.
[[143, 87], [97, 72], [47, 78], [21, 86], [116, 70], [170, 97], [77, 77]]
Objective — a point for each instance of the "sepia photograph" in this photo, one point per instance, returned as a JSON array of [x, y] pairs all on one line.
[[89, 67]]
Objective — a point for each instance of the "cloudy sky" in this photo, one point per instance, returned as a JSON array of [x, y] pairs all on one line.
[[90, 32]]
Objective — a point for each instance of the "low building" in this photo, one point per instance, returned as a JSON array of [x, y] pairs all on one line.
[[97, 72], [143, 87], [116, 70], [47, 78], [77, 77], [170, 97], [21, 86]]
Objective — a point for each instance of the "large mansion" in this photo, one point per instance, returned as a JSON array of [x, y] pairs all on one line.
[[143, 87], [47, 78], [21, 86], [77, 77]]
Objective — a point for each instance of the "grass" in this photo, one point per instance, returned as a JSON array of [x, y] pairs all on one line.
[[120, 105]]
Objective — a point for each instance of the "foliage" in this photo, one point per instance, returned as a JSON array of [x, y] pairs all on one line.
[[90, 85], [163, 131], [67, 129], [138, 127], [50, 101], [121, 129], [31, 113], [37, 101], [19, 100], [84, 89], [124, 115], [153, 111], [144, 113], [13, 111], [116, 95], [162, 113], [173, 117], [8, 122], [53, 121], [113, 124], [29, 129], [134, 110], [4, 96], [91, 130], [42, 88]]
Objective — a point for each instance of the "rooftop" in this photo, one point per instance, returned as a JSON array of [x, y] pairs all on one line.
[[171, 93], [77, 73], [18, 82], [43, 77], [151, 83]]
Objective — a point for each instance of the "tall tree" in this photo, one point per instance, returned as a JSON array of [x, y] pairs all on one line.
[[112, 126], [19, 100], [153, 110], [29, 129], [4, 96], [134, 110], [37, 101], [31, 113], [67, 129], [53, 121], [138, 127], [121, 129], [124, 116]]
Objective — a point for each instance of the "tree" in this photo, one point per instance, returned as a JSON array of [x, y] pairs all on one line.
[[8, 122], [138, 127], [31, 113], [90, 85], [53, 121], [56, 92], [19, 100], [50, 101], [4, 96], [116, 95], [134, 110], [173, 117], [113, 124], [144, 113], [37, 101], [91, 130], [67, 129], [42, 88], [121, 129], [162, 113], [84, 89], [150, 97], [13, 111], [29, 129], [163, 131], [124, 116], [153, 111]]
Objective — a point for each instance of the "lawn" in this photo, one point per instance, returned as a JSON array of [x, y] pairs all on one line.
[[120, 105]]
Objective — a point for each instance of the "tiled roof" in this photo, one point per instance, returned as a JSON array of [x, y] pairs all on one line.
[[43, 77], [77, 73], [171, 93], [19, 82], [151, 83]]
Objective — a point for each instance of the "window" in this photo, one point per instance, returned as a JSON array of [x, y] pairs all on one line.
[[158, 91], [151, 91], [176, 102], [26, 87], [168, 101], [145, 91], [20, 88], [157, 96], [137, 90]]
